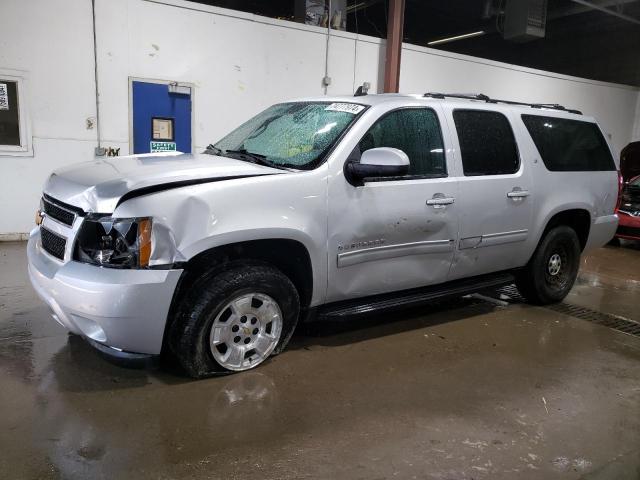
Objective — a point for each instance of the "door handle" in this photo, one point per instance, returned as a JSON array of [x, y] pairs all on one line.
[[440, 201], [517, 193]]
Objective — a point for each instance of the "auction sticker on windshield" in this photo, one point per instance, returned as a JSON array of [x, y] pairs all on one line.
[[345, 107]]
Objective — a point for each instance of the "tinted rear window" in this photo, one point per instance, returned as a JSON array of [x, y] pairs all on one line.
[[486, 141], [569, 145]]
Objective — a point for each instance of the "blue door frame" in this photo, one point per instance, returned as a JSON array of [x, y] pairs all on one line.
[[151, 100]]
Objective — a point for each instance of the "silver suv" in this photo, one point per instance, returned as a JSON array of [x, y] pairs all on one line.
[[317, 208]]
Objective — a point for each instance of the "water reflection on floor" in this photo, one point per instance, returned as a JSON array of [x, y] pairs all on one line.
[[462, 389]]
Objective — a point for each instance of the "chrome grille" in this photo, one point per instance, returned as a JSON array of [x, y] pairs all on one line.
[[53, 243], [58, 213]]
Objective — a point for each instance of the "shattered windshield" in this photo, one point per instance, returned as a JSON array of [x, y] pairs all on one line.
[[295, 135]]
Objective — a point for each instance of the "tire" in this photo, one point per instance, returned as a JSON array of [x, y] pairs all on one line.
[[230, 313], [553, 268]]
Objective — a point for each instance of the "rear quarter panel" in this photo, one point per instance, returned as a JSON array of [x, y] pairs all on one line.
[[554, 192]]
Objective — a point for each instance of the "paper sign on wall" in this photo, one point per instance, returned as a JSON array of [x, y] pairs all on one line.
[[162, 128], [163, 147], [4, 97]]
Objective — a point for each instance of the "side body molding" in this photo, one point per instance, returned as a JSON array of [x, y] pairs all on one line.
[[492, 239], [347, 259]]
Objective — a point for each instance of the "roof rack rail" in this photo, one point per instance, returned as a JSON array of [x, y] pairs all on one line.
[[487, 99]]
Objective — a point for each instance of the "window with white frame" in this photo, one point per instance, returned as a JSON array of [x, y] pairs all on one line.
[[14, 139]]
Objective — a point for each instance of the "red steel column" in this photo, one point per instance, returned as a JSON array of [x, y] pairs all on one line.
[[394, 46]]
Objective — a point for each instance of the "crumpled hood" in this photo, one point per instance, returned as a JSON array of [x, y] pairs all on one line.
[[98, 185]]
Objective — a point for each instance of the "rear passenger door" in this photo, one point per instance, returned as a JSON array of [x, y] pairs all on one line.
[[495, 193]]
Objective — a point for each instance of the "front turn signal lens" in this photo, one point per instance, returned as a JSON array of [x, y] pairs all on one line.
[[144, 242], [39, 214]]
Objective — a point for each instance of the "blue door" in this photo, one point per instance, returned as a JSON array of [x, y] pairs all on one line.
[[161, 118]]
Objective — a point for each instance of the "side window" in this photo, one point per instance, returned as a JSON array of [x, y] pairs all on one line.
[[14, 135], [9, 113], [567, 145], [487, 144], [415, 131]]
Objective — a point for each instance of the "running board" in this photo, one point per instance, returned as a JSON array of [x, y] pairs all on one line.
[[414, 297]]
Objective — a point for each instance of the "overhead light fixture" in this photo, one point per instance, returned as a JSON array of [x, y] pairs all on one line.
[[457, 37]]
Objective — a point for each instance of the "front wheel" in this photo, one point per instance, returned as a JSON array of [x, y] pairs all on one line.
[[552, 271], [233, 320]]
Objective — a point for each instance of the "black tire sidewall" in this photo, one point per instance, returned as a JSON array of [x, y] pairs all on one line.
[[189, 338], [557, 238]]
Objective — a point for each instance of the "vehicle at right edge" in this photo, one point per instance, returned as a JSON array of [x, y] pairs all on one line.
[[629, 211]]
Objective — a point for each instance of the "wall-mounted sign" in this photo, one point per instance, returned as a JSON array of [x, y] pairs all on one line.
[[163, 147], [4, 97]]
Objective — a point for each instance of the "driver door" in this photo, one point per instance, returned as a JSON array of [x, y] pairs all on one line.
[[390, 234]]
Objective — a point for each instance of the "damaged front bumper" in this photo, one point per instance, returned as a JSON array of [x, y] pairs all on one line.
[[122, 309]]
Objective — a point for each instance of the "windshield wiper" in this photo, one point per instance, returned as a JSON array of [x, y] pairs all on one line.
[[212, 150], [254, 158]]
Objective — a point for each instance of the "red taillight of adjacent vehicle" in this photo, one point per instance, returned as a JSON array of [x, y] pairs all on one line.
[[620, 189]]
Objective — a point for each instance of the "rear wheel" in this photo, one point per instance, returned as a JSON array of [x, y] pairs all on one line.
[[552, 271], [234, 320]]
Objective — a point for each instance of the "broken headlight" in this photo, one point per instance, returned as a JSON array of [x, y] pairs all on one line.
[[114, 242]]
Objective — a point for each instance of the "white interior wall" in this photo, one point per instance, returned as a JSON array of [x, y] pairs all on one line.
[[54, 52], [241, 63], [238, 63], [612, 105]]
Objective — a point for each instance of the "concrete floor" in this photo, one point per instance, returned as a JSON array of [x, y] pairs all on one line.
[[461, 390]]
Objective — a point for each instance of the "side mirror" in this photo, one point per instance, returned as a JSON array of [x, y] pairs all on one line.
[[377, 162]]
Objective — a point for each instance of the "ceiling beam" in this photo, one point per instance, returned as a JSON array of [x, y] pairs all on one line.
[[576, 9], [606, 10]]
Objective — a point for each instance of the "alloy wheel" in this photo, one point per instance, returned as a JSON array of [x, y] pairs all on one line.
[[245, 331]]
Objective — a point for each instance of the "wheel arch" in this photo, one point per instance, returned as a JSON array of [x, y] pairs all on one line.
[[290, 256], [578, 219]]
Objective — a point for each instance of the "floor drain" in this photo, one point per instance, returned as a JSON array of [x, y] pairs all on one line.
[[511, 294], [606, 319]]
